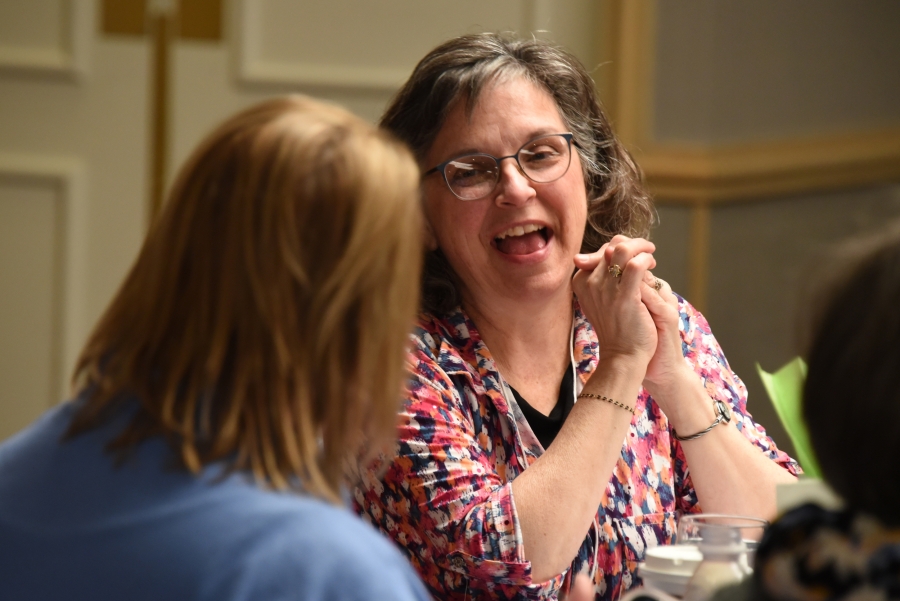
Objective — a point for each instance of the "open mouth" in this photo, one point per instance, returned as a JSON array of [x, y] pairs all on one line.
[[523, 239]]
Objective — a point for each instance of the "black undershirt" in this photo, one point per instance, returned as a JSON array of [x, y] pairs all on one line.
[[546, 427]]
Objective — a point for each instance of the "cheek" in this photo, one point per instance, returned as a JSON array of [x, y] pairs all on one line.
[[583, 214], [580, 206], [575, 210], [575, 223], [453, 229], [453, 225]]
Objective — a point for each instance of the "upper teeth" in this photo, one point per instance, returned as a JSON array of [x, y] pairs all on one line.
[[520, 230]]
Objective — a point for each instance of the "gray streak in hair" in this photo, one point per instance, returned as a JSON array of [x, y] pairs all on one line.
[[458, 71]]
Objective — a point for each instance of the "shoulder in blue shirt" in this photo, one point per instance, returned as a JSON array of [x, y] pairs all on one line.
[[74, 526]]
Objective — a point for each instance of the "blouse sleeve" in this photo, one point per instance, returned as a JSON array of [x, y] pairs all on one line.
[[442, 499], [703, 353]]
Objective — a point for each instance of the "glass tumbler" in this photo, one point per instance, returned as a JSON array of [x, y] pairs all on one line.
[[750, 529], [724, 561]]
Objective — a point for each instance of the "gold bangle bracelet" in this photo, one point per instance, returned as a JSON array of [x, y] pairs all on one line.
[[600, 397]]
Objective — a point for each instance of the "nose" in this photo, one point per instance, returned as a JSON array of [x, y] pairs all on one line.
[[513, 188]]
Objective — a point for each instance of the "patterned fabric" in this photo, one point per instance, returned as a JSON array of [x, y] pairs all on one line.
[[446, 496], [814, 554]]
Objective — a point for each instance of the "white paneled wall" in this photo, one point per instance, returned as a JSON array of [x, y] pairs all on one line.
[[30, 213], [74, 136], [48, 36], [42, 235], [72, 200], [361, 45], [353, 52]]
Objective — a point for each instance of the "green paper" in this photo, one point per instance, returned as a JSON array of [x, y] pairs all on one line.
[[785, 388]]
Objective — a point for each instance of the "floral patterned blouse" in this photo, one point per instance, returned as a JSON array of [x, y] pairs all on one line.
[[446, 495]]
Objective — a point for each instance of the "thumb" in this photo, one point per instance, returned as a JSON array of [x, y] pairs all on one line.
[[589, 261]]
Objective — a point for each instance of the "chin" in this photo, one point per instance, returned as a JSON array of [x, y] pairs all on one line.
[[544, 286]]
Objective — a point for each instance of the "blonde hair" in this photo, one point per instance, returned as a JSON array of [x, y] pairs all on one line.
[[265, 321]]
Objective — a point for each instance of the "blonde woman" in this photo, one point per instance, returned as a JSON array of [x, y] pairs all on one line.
[[259, 337]]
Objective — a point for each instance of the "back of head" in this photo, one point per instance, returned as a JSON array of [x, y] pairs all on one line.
[[265, 320], [459, 69], [852, 391]]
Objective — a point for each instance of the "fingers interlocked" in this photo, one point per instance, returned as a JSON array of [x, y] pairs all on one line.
[[609, 284], [622, 260], [654, 282]]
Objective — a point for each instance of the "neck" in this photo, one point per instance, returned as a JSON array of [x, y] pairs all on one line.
[[529, 342]]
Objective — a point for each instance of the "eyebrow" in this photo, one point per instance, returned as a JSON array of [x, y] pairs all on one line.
[[537, 133]]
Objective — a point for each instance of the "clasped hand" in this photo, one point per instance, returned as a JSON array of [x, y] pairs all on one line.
[[634, 315]]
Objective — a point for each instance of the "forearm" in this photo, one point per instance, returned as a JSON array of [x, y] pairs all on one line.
[[557, 497], [729, 473]]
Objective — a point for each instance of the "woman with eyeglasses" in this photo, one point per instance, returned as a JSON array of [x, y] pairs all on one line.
[[564, 404]]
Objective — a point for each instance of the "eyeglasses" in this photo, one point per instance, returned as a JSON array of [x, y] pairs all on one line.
[[474, 176]]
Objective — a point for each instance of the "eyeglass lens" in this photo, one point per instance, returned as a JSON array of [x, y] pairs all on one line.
[[475, 176]]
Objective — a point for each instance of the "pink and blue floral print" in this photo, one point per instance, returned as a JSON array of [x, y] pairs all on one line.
[[446, 496]]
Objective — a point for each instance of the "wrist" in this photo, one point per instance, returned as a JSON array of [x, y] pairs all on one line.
[[723, 416], [623, 372], [687, 405], [682, 377]]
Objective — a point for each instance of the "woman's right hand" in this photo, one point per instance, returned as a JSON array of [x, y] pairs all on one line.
[[613, 305]]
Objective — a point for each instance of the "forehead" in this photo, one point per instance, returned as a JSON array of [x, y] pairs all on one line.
[[506, 114]]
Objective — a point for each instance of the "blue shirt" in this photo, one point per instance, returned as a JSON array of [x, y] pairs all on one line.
[[74, 526]]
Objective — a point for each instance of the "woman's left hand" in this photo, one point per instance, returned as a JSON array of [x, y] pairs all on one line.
[[667, 366]]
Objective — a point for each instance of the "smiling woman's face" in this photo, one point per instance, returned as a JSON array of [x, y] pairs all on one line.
[[518, 242]]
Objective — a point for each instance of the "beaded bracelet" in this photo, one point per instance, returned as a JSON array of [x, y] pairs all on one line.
[[600, 397]]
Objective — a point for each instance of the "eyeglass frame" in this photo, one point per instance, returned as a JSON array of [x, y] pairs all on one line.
[[568, 136]]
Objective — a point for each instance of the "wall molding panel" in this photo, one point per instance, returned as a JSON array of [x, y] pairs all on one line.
[[733, 173], [69, 58], [253, 67], [67, 176], [704, 175], [710, 174]]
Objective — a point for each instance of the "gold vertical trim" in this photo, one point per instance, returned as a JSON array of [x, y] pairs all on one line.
[[635, 58], [124, 17], [161, 28], [197, 19], [200, 19], [606, 51], [163, 21], [698, 256]]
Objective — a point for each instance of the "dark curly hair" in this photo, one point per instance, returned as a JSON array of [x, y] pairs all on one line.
[[458, 70]]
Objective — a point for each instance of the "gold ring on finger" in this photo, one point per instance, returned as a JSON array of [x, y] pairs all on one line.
[[615, 270], [658, 284]]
